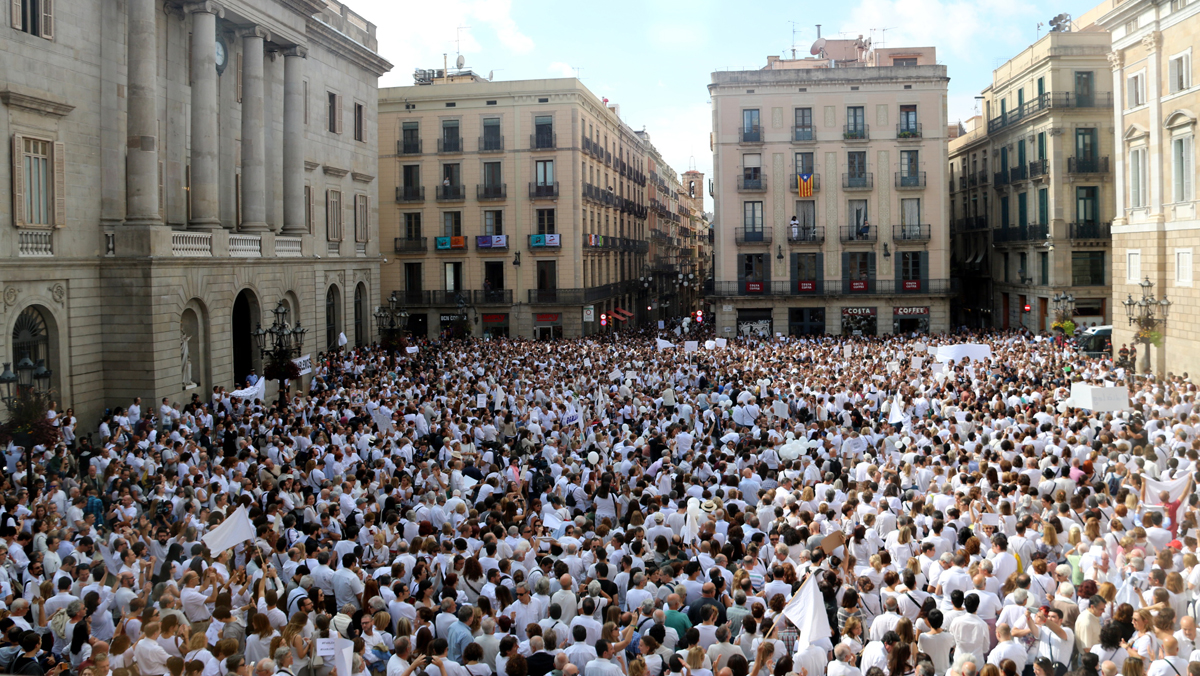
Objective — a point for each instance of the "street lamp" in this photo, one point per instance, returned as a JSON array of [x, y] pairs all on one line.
[[279, 344], [392, 321], [1064, 310], [25, 395], [1150, 315]]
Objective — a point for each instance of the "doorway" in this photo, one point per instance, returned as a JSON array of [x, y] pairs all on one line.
[[245, 310]]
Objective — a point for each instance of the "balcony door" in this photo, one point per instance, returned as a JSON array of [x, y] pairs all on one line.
[[910, 217], [856, 119], [1084, 93], [752, 221], [544, 173], [491, 134], [750, 124], [413, 279], [1087, 205], [453, 276], [547, 275], [1085, 146], [493, 275], [1022, 209]]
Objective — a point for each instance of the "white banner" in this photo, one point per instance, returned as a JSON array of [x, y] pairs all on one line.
[[412, 349], [691, 346], [304, 364], [721, 342], [975, 351], [256, 391], [1099, 399]]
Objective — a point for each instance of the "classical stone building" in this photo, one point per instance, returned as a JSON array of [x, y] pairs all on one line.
[[176, 169], [1156, 230], [828, 176], [519, 206]]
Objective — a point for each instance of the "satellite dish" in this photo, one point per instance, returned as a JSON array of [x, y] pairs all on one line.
[[867, 44], [817, 46], [490, 75], [462, 61]]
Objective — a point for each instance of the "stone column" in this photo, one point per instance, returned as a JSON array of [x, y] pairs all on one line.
[[205, 193], [254, 152], [141, 163], [1152, 43], [1116, 60], [293, 141]]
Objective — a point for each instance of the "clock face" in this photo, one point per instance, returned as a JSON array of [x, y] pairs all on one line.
[[222, 53]]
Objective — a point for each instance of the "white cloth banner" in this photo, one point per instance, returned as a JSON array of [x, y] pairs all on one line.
[[691, 346], [1176, 487], [234, 530], [663, 345], [304, 364], [383, 420], [975, 351], [896, 415], [710, 344], [411, 349], [722, 342], [1099, 399], [256, 391], [806, 610]]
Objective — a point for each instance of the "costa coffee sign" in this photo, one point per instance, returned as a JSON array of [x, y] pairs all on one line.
[[807, 286], [858, 286], [909, 311], [754, 287], [858, 311], [912, 285]]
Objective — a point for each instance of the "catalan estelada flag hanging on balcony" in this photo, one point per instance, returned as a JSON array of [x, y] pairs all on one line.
[[804, 184]]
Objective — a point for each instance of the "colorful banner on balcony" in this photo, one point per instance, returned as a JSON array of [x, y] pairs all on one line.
[[804, 184], [441, 242], [553, 240], [491, 242], [537, 240]]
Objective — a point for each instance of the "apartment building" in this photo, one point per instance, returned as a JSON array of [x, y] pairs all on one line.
[[1031, 188], [519, 207], [830, 217], [673, 275], [1155, 228]]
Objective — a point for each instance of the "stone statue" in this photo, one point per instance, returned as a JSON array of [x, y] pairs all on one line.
[[185, 360]]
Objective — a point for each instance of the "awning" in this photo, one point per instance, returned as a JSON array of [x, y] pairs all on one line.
[[622, 313]]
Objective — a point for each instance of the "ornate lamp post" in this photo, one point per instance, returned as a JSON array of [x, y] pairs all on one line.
[[1064, 311], [285, 344], [26, 395], [1150, 315], [392, 321]]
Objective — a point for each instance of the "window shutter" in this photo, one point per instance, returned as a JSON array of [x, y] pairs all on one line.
[[923, 266], [310, 214], [17, 15], [1173, 75], [239, 77], [60, 184], [338, 112], [795, 276], [820, 273], [328, 215], [845, 265], [1188, 148], [47, 26], [18, 174], [871, 266], [898, 264]]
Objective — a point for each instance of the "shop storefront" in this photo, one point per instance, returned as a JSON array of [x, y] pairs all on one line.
[[547, 325], [806, 321], [495, 325], [910, 319], [755, 323], [859, 321], [454, 325]]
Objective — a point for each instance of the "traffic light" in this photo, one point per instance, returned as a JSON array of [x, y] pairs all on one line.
[[603, 319]]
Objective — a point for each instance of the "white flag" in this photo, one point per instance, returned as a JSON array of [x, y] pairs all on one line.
[[234, 530], [342, 340], [662, 344], [806, 610]]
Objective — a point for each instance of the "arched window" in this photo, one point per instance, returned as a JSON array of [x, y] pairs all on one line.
[[331, 318], [360, 316], [30, 337]]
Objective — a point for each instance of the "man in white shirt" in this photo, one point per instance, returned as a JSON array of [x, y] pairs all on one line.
[[603, 665], [887, 621], [970, 632], [843, 664], [1171, 664], [195, 602], [1054, 641], [1007, 649]]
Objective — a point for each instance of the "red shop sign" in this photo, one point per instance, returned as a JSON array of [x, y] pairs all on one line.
[[858, 311], [858, 285], [912, 285], [495, 319], [546, 317], [808, 286], [905, 311], [754, 287]]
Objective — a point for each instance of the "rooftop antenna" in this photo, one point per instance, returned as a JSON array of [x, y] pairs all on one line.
[[458, 43], [793, 39], [1039, 30], [883, 36], [577, 69]]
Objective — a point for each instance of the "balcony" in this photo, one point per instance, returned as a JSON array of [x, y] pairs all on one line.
[[1038, 168], [491, 144], [1091, 231], [1017, 173], [835, 287], [410, 193], [450, 145], [451, 193], [962, 182], [543, 140], [858, 180], [912, 233], [491, 192], [750, 135], [543, 190], [1000, 179], [794, 185], [750, 237], [804, 133], [812, 234], [983, 177], [408, 147], [856, 132], [491, 242], [1046, 102], [444, 297], [755, 184], [975, 223], [1032, 232], [911, 180], [412, 297], [858, 233], [450, 243], [1087, 165], [492, 296], [556, 296], [908, 131], [410, 245], [972, 180], [544, 242]]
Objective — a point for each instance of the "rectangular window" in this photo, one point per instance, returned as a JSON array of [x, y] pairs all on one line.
[[360, 122], [305, 88], [412, 225], [1183, 267], [491, 134], [545, 222], [1043, 268], [451, 141], [1135, 85], [910, 163], [35, 17], [412, 176], [1023, 266], [362, 218], [806, 213], [856, 122], [1084, 93], [806, 267], [36, 175], [493, 222], [1086, 148], [904, 61], [410, 137], [544, 173], [333, 215], [805, 163], [1179, 72], [750, 124], [1137, 178], [1182, 168], [1133, 266], [492, 177], [451, 224], [752, 171], [908, 119], [334, 112], [543, 131], [1087, 268], [1087, 205], [858, 214], [413, 277], [860, 265], [753, 268], [451, 175], [804, 125], [910, 265], [453, 276], [752, 221]]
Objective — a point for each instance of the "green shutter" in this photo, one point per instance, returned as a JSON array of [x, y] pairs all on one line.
[[871, 272], [820, 273], [795, 270], [845, 265], [923, 263]]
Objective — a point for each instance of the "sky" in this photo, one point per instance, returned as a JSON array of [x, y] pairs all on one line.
[[655, 58]]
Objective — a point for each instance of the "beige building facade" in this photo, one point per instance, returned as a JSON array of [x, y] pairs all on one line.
[[1031, 188], [829, 212], [175, 170], [519, 208], [675, 271], [1156, 231]]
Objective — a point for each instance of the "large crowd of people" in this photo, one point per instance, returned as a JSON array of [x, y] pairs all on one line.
[[621, 506]]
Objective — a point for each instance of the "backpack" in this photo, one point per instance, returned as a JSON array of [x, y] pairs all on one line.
[[570, 495]]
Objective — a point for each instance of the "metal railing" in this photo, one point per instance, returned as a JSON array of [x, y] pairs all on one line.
[[1021, 233], [983, 177], [794, 185], [834, 287], [1038, 168], [856, 132], [1087, 165], [449, 145], [444, 297], [543, 141], [750, 134], [543, 191], [491, 192], [859, 180], [492, 296], [1018, 173], [494, 144], [1101, 231], [912, 179], [912, 232], [556, 296], [812, 234], [1048, 101], [410, 193], [408, 147], [1000, 179], [911, 130], [756, 184], [410, 245], [412, 297], [804, 133], [748, 236], [858, 233], [451, 193]]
